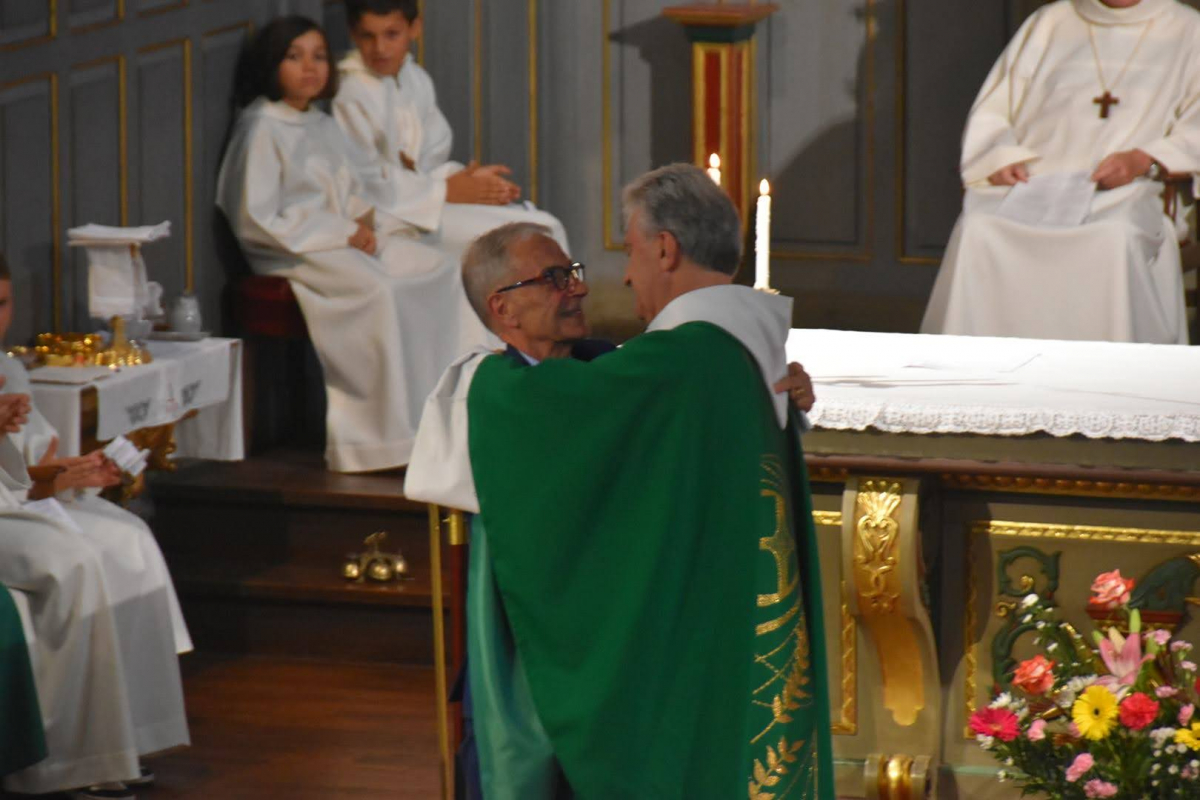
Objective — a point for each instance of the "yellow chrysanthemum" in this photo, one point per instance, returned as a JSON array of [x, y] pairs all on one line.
[[1189, 736], [1095, 712]]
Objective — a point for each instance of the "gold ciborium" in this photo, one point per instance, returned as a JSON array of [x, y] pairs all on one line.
[[374, 564], [88, 350]]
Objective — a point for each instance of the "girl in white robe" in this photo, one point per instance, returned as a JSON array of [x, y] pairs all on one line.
[[106, 624], [386, 313]]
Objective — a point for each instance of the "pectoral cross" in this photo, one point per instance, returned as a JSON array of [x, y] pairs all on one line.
[[1104, 101]]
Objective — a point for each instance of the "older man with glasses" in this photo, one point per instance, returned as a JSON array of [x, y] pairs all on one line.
[[644, 612]]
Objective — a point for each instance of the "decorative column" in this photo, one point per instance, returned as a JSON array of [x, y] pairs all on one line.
[[723, 89]]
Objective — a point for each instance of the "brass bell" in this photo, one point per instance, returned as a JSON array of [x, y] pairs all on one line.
[[380, 569], [351, 570]]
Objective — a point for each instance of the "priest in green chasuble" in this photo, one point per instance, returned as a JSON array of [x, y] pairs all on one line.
[[645, 541]]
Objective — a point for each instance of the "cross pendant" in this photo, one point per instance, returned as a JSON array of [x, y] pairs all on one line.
[[1104, 101]]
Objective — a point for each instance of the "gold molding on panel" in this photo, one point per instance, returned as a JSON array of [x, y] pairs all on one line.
[[531, 10], [477, 81], [49, 36], [865, 252], [188, 152], [421, 43], [95, 26], [847, 725], [606, 156], [1041, 530], [150, 12], [1072, 487]]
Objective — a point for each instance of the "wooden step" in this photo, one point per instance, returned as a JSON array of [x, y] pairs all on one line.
[[256, 550]]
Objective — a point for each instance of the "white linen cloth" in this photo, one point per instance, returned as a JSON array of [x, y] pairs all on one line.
[[117, 280], [912, 383], [1117, 275], [205, 376], [105, 619], [384, 116], [384, 326], [440, 471]]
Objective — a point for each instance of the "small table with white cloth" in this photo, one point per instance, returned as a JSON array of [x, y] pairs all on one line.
[[952, 476], [195, 386]]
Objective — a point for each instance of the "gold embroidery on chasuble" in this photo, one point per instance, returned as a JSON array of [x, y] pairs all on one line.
[[787, 765]]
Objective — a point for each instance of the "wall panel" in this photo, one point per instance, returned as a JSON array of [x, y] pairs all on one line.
[[29, 218], [85, 14], [162, 75], [95, 151], [26, 22]]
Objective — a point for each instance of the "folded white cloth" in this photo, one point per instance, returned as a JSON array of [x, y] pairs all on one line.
[[117, 282], [108, 234]]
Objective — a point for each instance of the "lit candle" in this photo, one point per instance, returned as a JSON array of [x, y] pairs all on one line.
[[714, 168], [762, 237]]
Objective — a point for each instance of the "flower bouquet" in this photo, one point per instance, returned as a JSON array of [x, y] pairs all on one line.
[[1110, 718]]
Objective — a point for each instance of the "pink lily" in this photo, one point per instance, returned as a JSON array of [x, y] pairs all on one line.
[[1122, 655]]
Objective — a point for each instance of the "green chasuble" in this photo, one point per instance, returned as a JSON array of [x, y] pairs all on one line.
[[650, 536], [22, 741]]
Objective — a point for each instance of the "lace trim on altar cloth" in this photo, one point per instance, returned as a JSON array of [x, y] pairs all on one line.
[[1002, 421]]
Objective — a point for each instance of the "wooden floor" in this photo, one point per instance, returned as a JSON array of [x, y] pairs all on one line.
[[266, 728], [277, 728]]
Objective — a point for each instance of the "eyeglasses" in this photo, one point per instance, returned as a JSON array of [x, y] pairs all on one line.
[[558, 277]]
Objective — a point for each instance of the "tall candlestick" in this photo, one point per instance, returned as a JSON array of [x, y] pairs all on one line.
[[762, 237], [714, 168]]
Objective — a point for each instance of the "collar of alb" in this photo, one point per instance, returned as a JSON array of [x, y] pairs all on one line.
[[1098, 13]]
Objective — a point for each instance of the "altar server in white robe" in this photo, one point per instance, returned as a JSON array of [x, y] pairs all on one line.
[[385, 312], [106, 622], [1107, 87], [387, 105]]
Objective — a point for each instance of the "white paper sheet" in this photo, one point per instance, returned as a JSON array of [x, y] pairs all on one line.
[[1055, 200]]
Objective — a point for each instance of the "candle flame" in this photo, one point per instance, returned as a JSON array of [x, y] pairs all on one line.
[[764, 187], [714, 161]]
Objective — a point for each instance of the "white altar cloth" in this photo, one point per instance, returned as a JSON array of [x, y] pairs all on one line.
[[913, 383], [205, 376]]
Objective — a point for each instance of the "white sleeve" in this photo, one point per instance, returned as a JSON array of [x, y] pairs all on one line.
[[436, 136], [1179, 149], [989, 141], [250, 191]]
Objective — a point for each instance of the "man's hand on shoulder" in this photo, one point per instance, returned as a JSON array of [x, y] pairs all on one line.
[[485, 185], [1010, 175], [799, 387], [1119, 169]]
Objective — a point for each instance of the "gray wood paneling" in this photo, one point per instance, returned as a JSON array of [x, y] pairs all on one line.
[[85, 13], [161, 74], [450, 42], [26, 178], [92, 147], [23, 21]]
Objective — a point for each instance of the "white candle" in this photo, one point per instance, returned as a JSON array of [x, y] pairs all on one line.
[[714, 168], [762, 237]]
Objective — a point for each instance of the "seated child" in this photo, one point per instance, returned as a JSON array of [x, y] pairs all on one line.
[[387, 106], [106, 625], [386, 313]]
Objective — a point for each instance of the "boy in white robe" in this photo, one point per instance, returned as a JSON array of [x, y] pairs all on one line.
[[1106, 88], [387, 105], [386, 313], [106, 623]]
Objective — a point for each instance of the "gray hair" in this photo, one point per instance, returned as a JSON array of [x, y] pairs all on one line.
[[487, 266], [683, 201]]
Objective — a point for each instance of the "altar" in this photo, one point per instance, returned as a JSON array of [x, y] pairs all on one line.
[[952, 476]]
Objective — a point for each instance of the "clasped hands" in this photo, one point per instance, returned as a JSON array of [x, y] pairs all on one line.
[[14, 411], [1116, 170], [79, 472]]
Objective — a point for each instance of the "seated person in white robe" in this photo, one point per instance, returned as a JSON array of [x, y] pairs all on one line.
[[387, 106], [386, 313], [106, 624], [1109, 89]]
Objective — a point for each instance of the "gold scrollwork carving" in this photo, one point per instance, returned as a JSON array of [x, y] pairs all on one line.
[[875, 545]]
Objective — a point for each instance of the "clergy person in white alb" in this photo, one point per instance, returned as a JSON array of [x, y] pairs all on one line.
[[1108, 88], [387, 106], [386, 313], [105, 624]]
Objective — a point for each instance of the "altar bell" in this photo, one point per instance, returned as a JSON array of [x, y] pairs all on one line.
[[387, 106], [106, 625]]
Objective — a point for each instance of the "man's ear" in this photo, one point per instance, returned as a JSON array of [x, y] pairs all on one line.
[[668, 253], [500, 310], [417, 28]]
